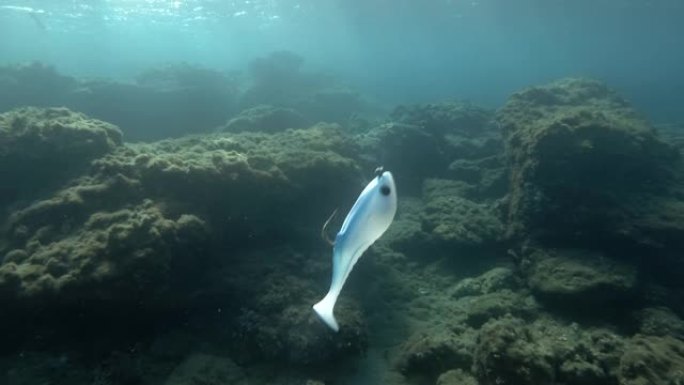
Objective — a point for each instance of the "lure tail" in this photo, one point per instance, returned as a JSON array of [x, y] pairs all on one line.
[[324, 309]]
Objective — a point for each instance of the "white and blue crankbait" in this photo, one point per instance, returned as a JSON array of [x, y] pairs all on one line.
[[368, 219]]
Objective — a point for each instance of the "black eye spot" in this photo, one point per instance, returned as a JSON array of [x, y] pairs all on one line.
[[385, 190]]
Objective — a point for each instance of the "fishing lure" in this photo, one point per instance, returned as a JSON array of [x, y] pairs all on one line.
[[367, 220]]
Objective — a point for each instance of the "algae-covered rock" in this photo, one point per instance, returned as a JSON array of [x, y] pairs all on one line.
[[485, 307], [423, 140], [249, 183], [434, 351], [511, 351], [579, 155], [587, 357], [32, 84], [446, 118], [166, 101], [573, 277], [456, 377], [44, 132], [112, 255], [409, 148], [456, 220], [406, 235], [652, 361], [661, 322], [44, 147], [44, 367], [498, 278], [139, 205], [205, 369], [277, 79], [265, 118], [506, 353], [488, 176], [276, 322]]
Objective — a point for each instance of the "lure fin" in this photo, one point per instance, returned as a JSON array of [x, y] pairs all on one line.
[[324, 309]]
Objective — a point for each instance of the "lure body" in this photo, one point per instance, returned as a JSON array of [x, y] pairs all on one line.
[[367, 220]]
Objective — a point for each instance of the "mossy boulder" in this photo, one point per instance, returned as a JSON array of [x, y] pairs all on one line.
[[456, 377], [660, 321], [276, 322], [545, 351], [409, 148], [579, 156], [205, 369], [506, 353], [59, 132], [166, 101], [248, 189], [406, 235], [652, 360], [430, 352], [486, 307], [254, 185], [583, 278], [33, 84], [496, 279], [41, 148], [453, 219], [265, 118], [441, 119], [116, 255], [423, 140], [277, 79]]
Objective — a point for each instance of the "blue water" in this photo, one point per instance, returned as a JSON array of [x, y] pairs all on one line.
[[395, 50]]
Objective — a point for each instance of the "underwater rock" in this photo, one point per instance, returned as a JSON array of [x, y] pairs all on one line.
[[44, 367], [485, 307], [279, 180], [265, 118], [277, 80], [581, 162], [652, 360], [423, 140], [661, 322], [488, 176], [409, 148], [335, 103], [55, 133], [452, 219], [512, 351], [205, 369], [506, 354], [456, 377], [33, 84], [440, 119], [141, 205], [496, 279], [406, 234], [184, 76], [120, 255], [278, 325], [431, 352], [41, 148], [165, 102], [586, 357], [566, 277]]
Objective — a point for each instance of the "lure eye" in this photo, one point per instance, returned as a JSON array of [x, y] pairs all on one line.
[[385, 190]]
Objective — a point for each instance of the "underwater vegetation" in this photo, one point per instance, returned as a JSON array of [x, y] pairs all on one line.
[[536, 244]]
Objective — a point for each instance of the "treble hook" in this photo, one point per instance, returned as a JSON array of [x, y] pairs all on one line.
[[324, 233]]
